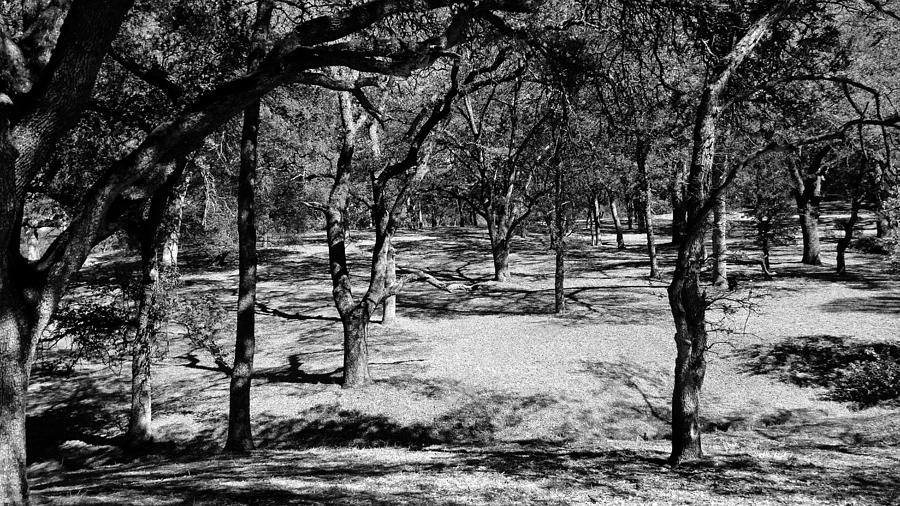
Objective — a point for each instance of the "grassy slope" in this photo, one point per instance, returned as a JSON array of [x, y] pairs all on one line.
[[487, 398]]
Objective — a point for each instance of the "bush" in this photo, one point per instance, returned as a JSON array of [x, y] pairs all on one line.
[[868, 382], [871, 244]]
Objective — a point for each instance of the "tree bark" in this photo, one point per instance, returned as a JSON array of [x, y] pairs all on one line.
[[172, 224], [389, 316], [559, 285], [679, 213], [642, 150], [240, 438], [844, 242], [356, 348], [719, 232], [13, 386], [500, 251], [140, 428], [597, 211], [809, 228], [614, 212]]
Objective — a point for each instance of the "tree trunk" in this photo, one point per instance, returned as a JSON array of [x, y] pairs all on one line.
[[356, 349], [809, 228], [240, 438], [719, 232], [689, 312], [614, 212], [140, 428], [559, 285], [844, 242], [679, 212], [808, 194], [172, 237], [642, 150], [686, 299], [500, 251], [390, 304], [13, 388], [629, 212]]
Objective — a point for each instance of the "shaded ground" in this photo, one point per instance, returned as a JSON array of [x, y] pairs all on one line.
[[486, 397]]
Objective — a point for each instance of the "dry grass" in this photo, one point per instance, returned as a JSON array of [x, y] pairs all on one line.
[[487, 398]]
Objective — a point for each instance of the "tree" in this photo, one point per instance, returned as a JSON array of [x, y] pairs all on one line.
[[685, 297], [239, 437], [499, 148]]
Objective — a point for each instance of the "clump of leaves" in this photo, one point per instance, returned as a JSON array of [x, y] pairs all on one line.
[[96, 327]]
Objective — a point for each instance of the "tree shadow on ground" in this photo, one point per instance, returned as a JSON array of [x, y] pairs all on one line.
[[477, 421], [81, 415], [882, 304], [522, 473], [823, 361]]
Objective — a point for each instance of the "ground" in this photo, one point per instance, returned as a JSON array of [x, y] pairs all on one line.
[[486, 397]]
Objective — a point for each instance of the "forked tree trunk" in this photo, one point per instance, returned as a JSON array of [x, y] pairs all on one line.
[[389, 315], [844, 242], [240, 437], [614, 212]]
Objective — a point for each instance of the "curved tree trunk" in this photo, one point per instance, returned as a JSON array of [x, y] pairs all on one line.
[[844, 242], [240, 437]]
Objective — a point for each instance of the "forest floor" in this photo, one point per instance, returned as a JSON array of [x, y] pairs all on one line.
[[486, 397]]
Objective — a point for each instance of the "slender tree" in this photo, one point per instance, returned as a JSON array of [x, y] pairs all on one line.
[[240, 438]]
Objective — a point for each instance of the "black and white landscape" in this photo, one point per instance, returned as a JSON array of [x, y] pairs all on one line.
[[449, 252]]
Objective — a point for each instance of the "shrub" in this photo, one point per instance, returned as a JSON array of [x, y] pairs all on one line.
[[868, 382]]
